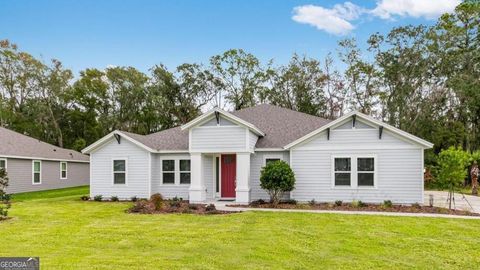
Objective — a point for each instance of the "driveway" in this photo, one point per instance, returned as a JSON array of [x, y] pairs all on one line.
[[462, 202]]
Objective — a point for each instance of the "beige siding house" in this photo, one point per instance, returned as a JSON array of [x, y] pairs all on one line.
[[33, 165], [219, 156]]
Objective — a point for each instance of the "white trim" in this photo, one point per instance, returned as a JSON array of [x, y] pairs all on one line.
[[175, 182], [91, 148], [270, 150], [46, 159], [354, 171], [180, 171], [367, 118], [113, 170], [33, 172], [271, 156], [6, 163], [348, 147], [149, 175], [171, 152], [205, 117], [422, 176], [226, 151], [66, 170]]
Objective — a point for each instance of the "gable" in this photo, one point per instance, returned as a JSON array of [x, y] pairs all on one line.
[[222, 121], [348, 124]]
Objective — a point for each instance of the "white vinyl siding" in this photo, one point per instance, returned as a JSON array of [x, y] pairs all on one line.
[[257, 161], [137, 170], [252, 141], [218, 139], [398, 167], [168, 190]]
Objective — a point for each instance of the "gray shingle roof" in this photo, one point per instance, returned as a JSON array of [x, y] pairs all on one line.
[[281, 126], [16, 144]]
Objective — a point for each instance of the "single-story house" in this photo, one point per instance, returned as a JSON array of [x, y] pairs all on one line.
[[33, 165], [219, 156]]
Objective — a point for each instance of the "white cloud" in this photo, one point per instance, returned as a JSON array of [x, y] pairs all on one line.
[[338, 19], [334, 20], [428, 9]]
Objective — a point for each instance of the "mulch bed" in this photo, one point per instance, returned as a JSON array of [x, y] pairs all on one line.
[[174, 206], [366, 207]]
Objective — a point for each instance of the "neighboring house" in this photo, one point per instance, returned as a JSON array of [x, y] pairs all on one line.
[[35, 165], [219, 155]]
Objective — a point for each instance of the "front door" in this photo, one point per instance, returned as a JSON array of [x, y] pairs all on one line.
[[229, 174]]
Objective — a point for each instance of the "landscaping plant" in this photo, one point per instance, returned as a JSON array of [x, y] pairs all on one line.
[[452, 170], [277, 178], [4, 197]]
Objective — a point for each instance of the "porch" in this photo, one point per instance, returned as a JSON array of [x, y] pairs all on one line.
[[220, 177]]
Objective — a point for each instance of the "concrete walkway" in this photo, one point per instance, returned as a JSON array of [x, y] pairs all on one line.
[[467, 202], [440, 198]]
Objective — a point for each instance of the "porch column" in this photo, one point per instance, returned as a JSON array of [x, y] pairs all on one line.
[[197, 191], [243, 178]]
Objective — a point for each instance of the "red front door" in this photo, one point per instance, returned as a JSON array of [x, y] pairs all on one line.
[[229, 174]]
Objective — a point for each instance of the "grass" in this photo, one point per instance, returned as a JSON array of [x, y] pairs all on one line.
[[67, 233]]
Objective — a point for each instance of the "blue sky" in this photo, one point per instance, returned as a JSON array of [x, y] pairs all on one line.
[[143, 33]]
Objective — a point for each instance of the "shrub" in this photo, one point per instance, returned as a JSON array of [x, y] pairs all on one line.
[[357, 204], [143, 206], [276, 178], [416, 205], [290, 201], [257, 202], [157, 200], [387, 204], [134, 199], [211, 207], [114, 198], [193, 207], [312, 202], [338, 203], [98, 198], [4, 197], [85, 198]]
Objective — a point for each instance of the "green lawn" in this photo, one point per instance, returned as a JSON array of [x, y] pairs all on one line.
[[70, 234]]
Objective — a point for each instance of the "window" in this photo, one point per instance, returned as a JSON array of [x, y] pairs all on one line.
[[168, 169], [119, 172], [37, 172], [366, 171], [3, 164], [217, 174], [63, 170], [184, 171], [342, 171], [271, 158]]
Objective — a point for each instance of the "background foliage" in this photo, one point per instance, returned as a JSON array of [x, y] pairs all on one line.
[[424, 80]]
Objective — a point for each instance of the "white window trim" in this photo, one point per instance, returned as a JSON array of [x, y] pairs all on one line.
[[176, 166], [180, 171], [113, 171], [6, 165], [354, 171], [66, 170], [271, 156], [176, 171], [33, 172]]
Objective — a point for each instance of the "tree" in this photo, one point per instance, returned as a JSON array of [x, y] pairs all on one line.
[[242, 77], [4, 197], [299, 86], [277, 178], [452, 169]]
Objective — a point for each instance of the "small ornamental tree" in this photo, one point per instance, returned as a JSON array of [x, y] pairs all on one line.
[[452, 169], [276, 178], [4, 197]]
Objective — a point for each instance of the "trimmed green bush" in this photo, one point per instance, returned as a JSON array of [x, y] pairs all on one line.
[[114, 198], [338, 203], [277, 178], [98, 198]]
